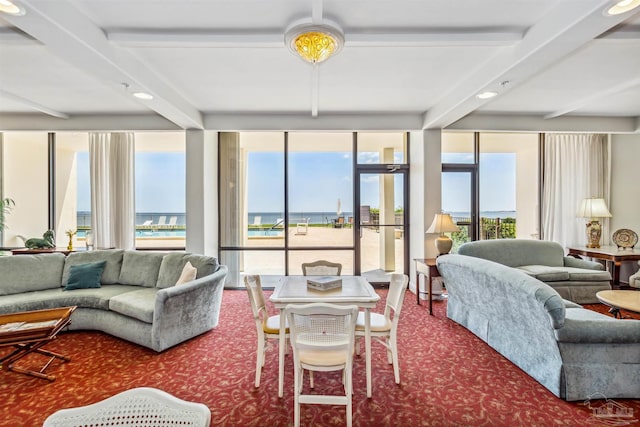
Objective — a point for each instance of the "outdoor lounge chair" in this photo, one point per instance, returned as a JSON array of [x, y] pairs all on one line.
[[162, 220], [173, 221], [303, 226]]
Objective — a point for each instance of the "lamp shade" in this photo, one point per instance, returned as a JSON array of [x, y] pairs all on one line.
[[314, 42], [593, 208], [442, 223]]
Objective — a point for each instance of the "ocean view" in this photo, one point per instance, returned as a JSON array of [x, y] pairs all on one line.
[[486, 214], [84, 218]]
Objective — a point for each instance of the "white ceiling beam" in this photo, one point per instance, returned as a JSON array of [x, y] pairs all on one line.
[[594, 97], [315, 89], [179, 39], [71, 36], [33, 105], [563, 30], [316, 12], [10, 36], [275, 39], [489, 37], [627, 32]]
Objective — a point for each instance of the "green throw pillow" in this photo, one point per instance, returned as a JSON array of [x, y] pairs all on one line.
[[84, 276]]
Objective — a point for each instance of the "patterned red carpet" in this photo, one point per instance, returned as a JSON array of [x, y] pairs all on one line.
[[449, 378]]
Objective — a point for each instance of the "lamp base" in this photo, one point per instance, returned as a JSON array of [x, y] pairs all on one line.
[[443, 245], [594, 232]]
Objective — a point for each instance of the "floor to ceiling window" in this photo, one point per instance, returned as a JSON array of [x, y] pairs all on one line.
[[62, 159], [289, 197], [490, 185], [160, 190], [25, 177], [72, 189]]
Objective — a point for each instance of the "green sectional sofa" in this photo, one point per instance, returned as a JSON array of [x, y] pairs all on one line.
[[137, 298], [574, 352], [574, 279]]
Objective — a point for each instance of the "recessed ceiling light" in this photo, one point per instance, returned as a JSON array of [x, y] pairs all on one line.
[[10, 8], [143, 95], [622, 6], [486, 95]]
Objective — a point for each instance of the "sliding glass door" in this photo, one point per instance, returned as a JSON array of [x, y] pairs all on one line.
[[382, 226], [287, 198]]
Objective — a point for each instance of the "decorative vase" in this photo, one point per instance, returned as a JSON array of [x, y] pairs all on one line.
[[70, 245], [594, 233]]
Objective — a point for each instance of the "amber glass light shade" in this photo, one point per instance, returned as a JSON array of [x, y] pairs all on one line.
[[315, 46]]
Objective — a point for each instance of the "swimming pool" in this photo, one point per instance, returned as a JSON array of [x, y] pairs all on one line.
[[159, 234], [265, 234]]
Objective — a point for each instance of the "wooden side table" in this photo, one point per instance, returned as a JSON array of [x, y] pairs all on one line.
[[28, 332], [426, 266]]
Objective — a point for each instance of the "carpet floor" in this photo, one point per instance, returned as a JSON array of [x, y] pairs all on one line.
[[449, 378]]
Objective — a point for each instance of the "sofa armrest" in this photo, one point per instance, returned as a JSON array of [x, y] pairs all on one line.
[[184, 311], [570, 261], [585, 326]]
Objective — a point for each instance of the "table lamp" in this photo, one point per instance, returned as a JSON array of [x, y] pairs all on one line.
[[593, 208], [442, 223]]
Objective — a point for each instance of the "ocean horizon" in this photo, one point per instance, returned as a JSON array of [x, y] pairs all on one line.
[[318, 217]]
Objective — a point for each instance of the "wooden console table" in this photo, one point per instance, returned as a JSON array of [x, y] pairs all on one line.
[[613, 256], [27, 251], [426, 266]]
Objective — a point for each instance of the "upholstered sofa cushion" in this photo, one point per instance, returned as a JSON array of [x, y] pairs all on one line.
[[24, 273], [584, 275], [140, 268], [51, 298], [111, 273], [545, 273], [516, 252], [173, 263], [138, 304]]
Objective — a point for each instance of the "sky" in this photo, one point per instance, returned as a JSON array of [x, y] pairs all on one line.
[[160, 182], [497, 184], [316, 181]]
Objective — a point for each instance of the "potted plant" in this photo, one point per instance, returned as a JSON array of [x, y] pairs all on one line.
[[6, 205]]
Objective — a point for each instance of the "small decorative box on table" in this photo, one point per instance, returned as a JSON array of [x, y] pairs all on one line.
[[324, 283]]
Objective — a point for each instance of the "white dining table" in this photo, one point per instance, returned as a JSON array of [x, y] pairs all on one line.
[[354, 290]]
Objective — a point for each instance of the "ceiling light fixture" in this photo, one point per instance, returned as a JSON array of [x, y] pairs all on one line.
[[622, 6], [11, 8], [486, 95], [314, 43], [143, 95]]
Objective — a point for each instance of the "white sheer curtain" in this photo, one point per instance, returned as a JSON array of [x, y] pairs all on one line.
[[111, 159], [576, 166]]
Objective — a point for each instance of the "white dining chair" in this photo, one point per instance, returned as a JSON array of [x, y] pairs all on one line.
[[267, 327], [321, 268], [322, 338], [384, 327], [142, 406], [634, 279]]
